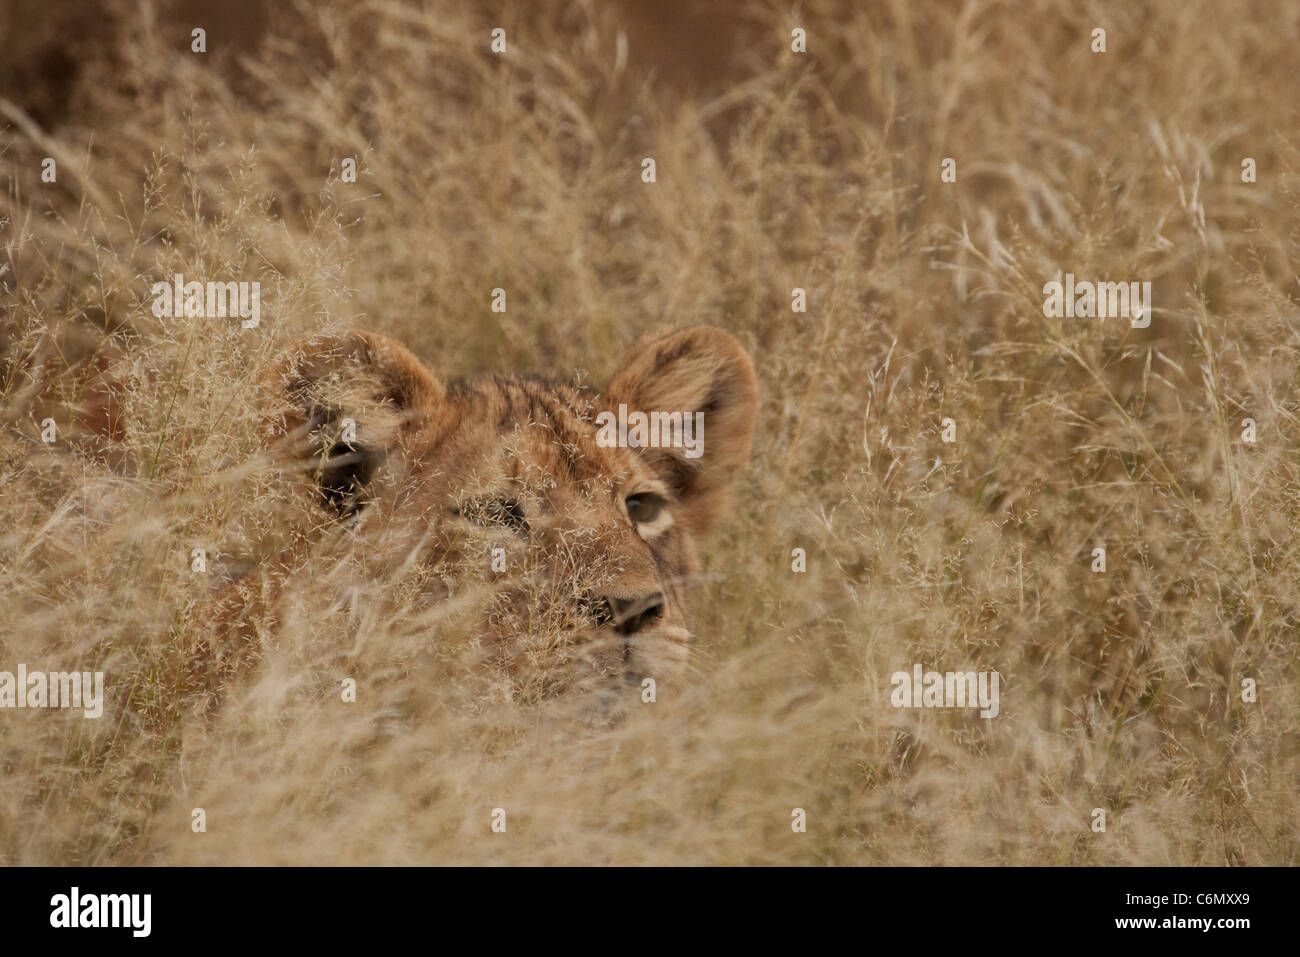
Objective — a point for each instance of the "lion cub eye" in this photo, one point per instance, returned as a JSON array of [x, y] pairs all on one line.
[[644, 508], [498, 512]]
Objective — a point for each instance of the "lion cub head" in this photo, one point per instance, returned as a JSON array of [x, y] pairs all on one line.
[[583, 510]]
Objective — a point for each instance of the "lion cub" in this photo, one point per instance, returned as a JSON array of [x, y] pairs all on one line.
[[585, 507]]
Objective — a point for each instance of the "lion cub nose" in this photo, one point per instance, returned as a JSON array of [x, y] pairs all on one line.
[[630, 615]]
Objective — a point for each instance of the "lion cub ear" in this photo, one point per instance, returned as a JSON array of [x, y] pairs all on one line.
[[340, 404], [696, 370]]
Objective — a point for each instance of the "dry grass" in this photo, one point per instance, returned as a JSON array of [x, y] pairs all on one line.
[[1121, 690]]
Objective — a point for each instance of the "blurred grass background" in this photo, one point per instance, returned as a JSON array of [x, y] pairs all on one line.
[[775, 170]]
